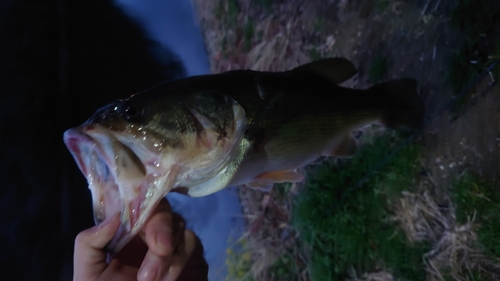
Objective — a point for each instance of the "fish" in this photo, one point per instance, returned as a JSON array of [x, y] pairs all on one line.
[[201, 134]]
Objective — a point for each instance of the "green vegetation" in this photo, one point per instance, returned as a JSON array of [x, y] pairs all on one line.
[[314, 54], [343, 214], [378, 69], [248, 33], [239, 262], [281, 190], [227, 11], [266, 4], [282, 269], [382, 5], [320, 24], [481, 200], [479, 22]]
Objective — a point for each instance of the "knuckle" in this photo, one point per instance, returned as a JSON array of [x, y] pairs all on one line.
[[81, 238]]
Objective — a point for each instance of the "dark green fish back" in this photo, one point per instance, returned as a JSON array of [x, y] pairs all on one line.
[[304, 105]]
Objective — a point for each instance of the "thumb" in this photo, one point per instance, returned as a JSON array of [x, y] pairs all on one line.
[[89, 257]]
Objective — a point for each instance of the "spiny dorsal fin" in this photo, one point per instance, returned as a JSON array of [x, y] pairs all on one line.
[[335, 70]]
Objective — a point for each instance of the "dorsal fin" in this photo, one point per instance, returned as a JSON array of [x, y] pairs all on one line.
[[335, 70]]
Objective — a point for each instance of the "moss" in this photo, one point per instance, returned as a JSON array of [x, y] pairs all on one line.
[[344, 214]]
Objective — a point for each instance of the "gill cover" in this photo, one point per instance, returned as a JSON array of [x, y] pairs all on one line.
[[221, 124]]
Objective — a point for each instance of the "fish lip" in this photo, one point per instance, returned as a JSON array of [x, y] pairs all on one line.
[[75, 139], [95, 165]]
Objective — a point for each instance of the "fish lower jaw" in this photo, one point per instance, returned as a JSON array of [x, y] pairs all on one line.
[[139, 196], [135, 211]]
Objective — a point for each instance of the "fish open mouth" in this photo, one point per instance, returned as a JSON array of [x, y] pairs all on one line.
[[118, 179], [96, 167]]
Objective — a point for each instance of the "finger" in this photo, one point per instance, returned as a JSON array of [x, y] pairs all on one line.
[[152, 267], [89, 256], [133, 253], [182, 255], [164, 233], [158, 230]]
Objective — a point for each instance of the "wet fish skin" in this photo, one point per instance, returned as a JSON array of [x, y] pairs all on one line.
[[200, 134]]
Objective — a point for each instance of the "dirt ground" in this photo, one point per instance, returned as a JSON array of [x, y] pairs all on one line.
[[414, 38]]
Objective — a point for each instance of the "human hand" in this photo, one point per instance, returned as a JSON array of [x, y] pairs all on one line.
[[163, 250]]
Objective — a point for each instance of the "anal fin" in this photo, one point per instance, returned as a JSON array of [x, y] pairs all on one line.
[[261, 184], [266, 181], [282, 176], [346, 148]]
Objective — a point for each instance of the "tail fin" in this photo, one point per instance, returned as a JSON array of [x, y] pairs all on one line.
[[405, 109]]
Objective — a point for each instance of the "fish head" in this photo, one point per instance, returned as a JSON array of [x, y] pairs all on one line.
[[134, 151]]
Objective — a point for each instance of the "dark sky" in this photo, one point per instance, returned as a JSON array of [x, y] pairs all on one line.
[[60, 60]]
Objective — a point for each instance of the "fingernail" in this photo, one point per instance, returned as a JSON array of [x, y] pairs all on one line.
[[148, 271], [108, 221]]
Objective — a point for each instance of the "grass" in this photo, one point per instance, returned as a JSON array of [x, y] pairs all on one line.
[[320, 24], [266, 4], [479, 199], [382, 5], [319, 27], [248, 33], [227, 11], [281, 270], [314, 54], [242, 262], [238, 262], [378, 69], [351, 228]]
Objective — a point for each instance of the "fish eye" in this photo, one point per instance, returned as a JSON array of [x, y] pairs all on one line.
[[130, 112]]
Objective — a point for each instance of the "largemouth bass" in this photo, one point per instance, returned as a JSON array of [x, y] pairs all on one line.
[[201, 134]]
